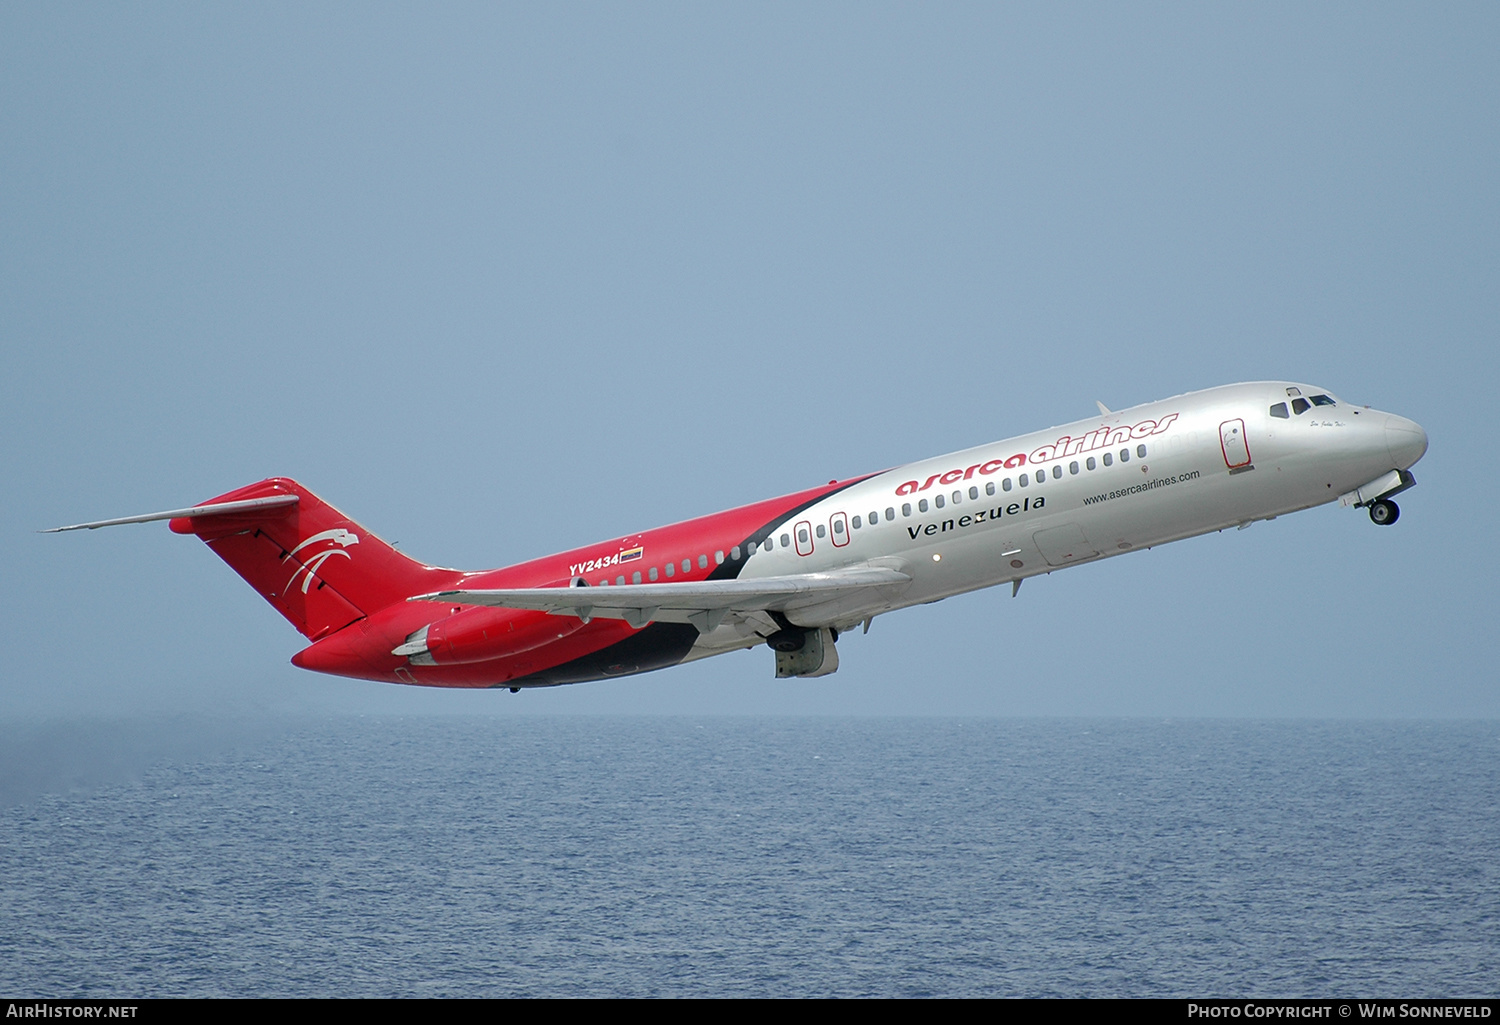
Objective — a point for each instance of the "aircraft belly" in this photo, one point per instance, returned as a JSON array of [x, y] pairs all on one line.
[[656, 646]]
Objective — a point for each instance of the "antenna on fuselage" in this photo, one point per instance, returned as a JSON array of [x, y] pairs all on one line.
[[1103, 408]]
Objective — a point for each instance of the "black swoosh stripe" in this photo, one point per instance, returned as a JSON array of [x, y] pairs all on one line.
[[659, 645]]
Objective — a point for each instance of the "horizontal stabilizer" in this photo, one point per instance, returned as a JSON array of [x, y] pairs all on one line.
[[212, 509], [704, 603]]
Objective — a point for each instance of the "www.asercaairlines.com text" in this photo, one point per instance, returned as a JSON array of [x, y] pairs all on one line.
[[1153, 483]]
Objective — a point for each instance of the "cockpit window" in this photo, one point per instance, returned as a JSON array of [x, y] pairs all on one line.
[[1300, 406], [1294, 391], [1323, 400], [1279, 411]]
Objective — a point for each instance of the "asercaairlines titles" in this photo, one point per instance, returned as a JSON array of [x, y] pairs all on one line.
[[1060, 449]]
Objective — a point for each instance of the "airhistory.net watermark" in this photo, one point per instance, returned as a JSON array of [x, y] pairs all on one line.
[[54, 1009]]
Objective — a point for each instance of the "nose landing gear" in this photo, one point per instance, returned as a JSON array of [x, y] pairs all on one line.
[[1376, 496], [1384, 512]]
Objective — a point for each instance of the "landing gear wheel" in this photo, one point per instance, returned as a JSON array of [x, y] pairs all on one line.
[[787, 640], [1384, 512]]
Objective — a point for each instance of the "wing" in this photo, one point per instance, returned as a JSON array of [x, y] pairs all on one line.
[[703, 603]]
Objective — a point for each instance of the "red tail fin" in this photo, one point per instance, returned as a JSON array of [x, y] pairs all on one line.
[[320, 569]]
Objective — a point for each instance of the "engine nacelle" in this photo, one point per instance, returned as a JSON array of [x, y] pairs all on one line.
[[480, 634]]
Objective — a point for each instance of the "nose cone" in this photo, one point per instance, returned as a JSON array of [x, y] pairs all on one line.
[[1406, 440]]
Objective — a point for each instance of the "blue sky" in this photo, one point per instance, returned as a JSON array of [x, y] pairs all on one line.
[[499, 281]]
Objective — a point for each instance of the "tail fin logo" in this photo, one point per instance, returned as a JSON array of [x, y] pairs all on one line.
[[339, 541]]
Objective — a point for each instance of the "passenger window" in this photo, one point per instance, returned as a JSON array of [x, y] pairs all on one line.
[[703, 562], [890, 513], [1091, 464], [1073, 467], [989, 488], [1300, 406], [653, 574], [802, 535], [1005, 484], [786, 540], [734, 553], [905, 508], [937, 500], [1140, 450], [854, 523], [635, 578], [620, 581], [719, 558], [821, 531], [1323, 400], [1124, 455], [974, 493], [838, 526], [1109, 460], [1279, 411], [671, 569], [1024, 480], [922, 505], [1057, 473], [687, 565], [958, 497]]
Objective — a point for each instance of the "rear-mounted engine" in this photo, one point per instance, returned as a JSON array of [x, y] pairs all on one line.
[[480, 634]]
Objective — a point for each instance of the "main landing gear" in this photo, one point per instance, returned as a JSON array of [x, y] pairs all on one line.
[[803, 651], [1384, 512], [787, 640]]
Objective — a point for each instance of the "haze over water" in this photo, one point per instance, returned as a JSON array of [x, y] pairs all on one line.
[[386, 855]]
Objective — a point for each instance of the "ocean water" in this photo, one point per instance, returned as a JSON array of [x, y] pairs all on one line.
[[580, 856]]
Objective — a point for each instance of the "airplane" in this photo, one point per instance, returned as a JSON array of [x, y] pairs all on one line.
[[795, 572]]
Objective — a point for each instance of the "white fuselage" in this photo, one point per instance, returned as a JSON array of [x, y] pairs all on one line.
[[1084, 491]]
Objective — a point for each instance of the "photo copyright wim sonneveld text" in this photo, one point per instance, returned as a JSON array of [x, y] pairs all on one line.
[[1383, 1009]]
